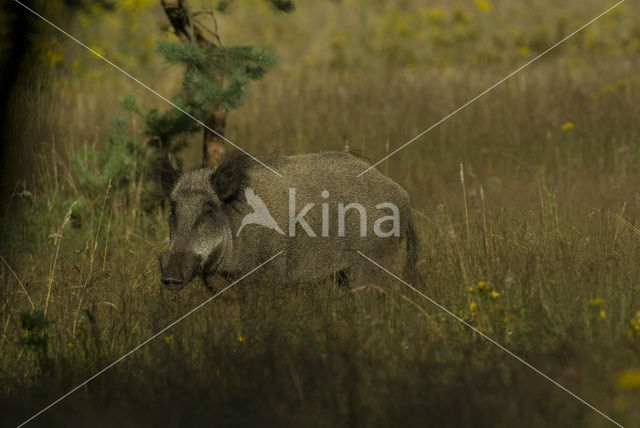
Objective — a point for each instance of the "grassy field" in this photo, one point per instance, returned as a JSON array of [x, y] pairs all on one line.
[[537, 247]]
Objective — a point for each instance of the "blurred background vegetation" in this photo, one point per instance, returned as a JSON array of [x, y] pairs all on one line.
[[537, 247]]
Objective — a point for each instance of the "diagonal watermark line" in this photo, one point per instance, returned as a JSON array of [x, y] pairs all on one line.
[[198, 121], [489, 339], [508, 76], [150, 339]]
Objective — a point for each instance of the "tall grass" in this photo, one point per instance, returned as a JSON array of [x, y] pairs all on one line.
[[529, 230]]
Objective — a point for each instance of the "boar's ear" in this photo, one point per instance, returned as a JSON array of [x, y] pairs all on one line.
[[165, 176], [229, 178]]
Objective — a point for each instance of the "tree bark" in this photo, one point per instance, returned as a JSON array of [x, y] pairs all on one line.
[[11, 66], [187, 30], [213, 145]]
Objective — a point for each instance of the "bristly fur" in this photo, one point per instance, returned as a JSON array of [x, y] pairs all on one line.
[[359, 154], [165, 176], [211, 207], [231, 176]]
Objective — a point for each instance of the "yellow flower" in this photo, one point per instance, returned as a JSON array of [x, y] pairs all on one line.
[[634, 329], [472, 306], [629, 379], [70, 345], [524, 51], [635, 325], [484, 5], [168, 339], [495, 294], [603, 314], [133, 5], [484, 285], [98, 50], [567, 126], [240, 338], [594, 303], [434, 15]]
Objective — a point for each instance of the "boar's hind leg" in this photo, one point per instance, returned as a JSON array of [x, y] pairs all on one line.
[[341, 278]]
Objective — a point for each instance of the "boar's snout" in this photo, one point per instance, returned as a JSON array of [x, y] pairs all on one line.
[[172, 284], [177, 268]]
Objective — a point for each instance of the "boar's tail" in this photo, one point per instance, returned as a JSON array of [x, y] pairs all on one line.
[[412, 243]]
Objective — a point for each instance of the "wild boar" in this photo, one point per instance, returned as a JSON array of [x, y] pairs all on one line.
[[228, 221]]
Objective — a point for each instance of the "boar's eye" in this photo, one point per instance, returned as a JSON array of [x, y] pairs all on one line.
[[208, 207], [172, 216]]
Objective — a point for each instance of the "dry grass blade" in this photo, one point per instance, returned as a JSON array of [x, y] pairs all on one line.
[[94, 250], [624, 221], [54, 256], [19, 282]]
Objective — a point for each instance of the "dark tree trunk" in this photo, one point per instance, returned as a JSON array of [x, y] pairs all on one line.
[[11, 66], [213, 144], [186, 29]]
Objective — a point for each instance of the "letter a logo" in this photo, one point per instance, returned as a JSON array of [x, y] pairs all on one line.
[[260, 214]]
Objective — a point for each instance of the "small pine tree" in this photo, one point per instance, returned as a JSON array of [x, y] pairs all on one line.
[[216, 78]]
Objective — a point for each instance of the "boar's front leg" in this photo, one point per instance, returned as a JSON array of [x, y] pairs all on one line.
[[214, 281]]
